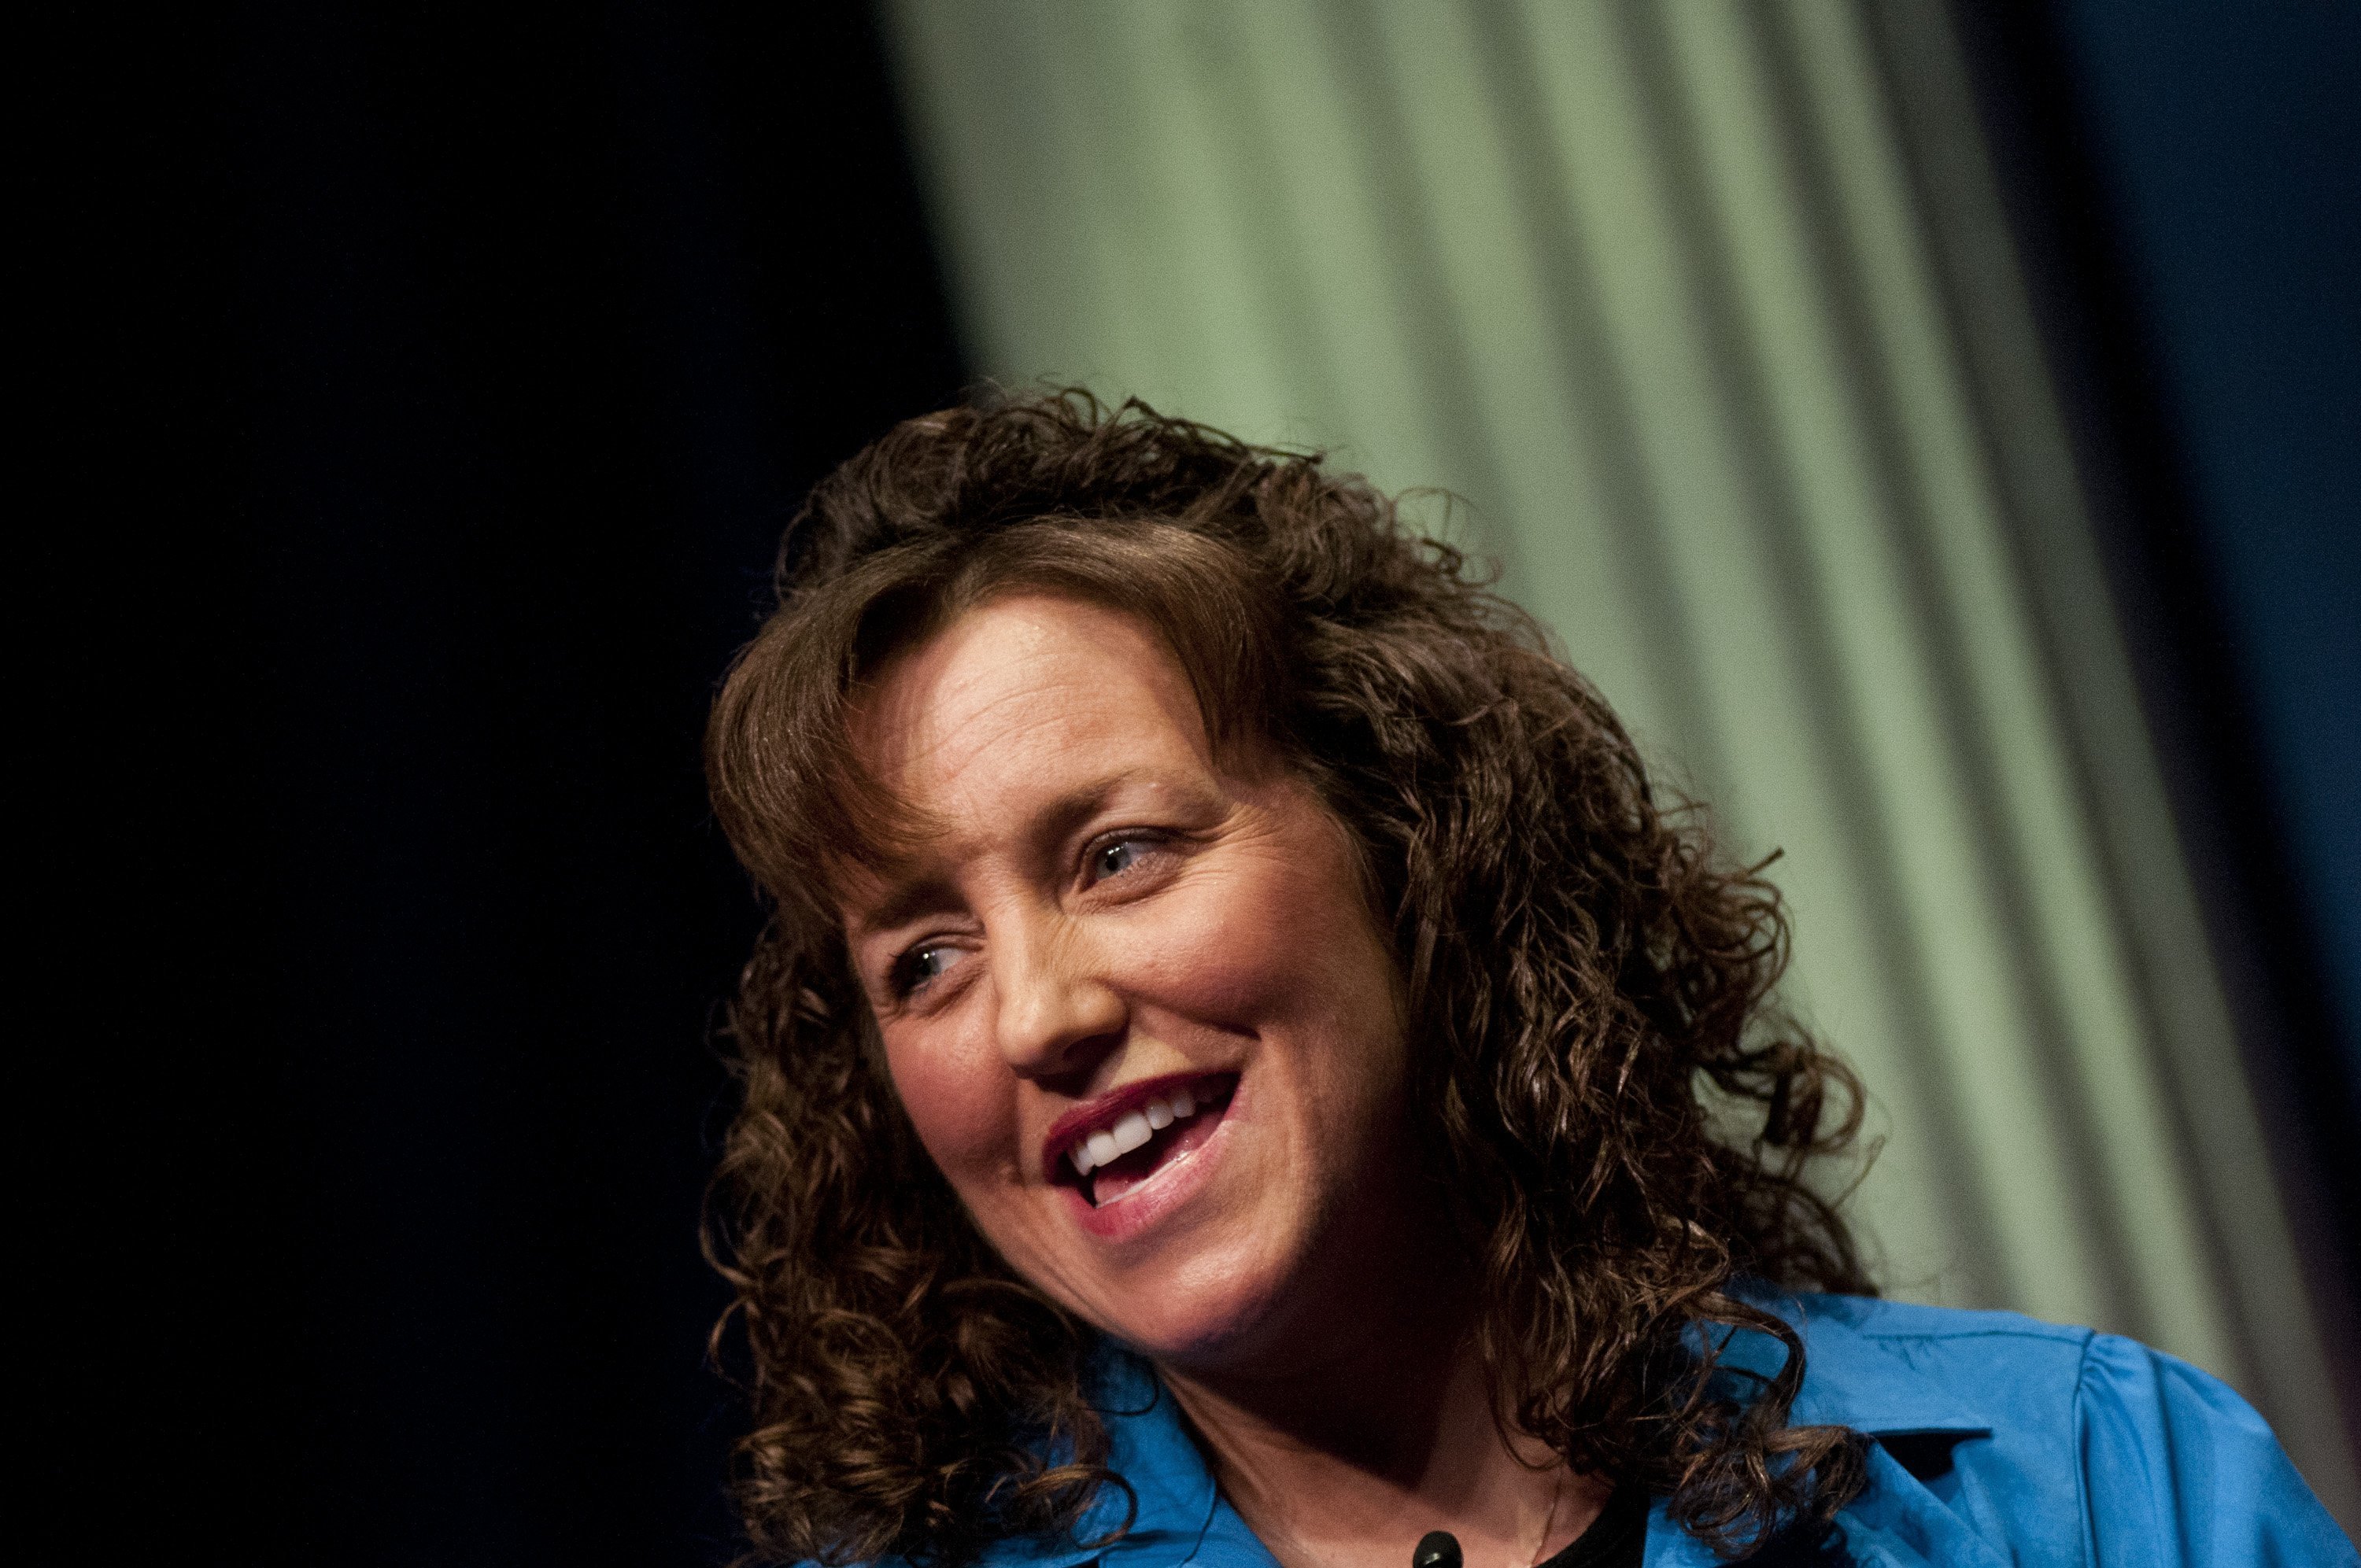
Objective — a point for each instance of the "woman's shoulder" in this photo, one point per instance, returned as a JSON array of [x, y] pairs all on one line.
[[2049, 1443], [1876, 1365], [1879, 1366]]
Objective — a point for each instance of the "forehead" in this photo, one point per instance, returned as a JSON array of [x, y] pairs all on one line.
[[1023, 694]]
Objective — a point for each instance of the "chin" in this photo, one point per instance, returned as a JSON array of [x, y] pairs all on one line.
[[1200, 1312]]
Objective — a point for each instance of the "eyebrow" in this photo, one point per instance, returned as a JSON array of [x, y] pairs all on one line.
[[907, 900]]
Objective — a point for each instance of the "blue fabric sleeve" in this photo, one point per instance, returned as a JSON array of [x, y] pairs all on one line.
[[2178, 1470]]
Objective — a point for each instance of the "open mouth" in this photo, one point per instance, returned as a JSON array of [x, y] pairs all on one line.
[[1127, 1142]]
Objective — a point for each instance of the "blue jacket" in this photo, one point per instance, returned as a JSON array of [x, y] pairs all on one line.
[[2000, 1441]]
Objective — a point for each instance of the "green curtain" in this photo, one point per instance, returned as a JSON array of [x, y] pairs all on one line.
[[1705, 314]]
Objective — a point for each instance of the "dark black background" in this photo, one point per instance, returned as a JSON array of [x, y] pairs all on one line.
[[414, 395], [555, 323], [435, 383]]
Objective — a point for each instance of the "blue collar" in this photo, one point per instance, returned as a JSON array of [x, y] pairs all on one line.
[[1153, 1451]]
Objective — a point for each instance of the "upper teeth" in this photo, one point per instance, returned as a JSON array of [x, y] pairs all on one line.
[[1132, 1130]]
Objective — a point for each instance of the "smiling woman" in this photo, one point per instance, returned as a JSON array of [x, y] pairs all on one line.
[[1245, 1065]]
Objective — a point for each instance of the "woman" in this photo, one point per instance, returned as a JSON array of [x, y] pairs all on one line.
[[1246, 1065]]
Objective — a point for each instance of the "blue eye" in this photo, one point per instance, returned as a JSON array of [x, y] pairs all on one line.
[[922, 964], [1115, 859]]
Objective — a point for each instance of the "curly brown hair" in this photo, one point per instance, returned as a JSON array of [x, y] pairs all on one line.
[[1623, 1118]]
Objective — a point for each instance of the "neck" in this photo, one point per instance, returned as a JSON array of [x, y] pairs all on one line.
[[1373, 1428]]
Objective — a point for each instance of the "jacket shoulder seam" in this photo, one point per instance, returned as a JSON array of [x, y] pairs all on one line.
[[2052, 1332], [2081, 1461]]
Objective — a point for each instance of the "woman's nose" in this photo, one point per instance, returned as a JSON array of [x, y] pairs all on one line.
[[1057, 1011]]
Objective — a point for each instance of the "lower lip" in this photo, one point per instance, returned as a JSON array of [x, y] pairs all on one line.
[[1145, 1206]]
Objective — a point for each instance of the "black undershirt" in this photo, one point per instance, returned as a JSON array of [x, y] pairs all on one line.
[[1616, 1539]]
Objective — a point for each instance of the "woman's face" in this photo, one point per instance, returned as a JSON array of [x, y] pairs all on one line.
[[1134, 1000]]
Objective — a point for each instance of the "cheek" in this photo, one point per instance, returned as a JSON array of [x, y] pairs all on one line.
[[962, 1100], [1284, 942], [1224, 951]]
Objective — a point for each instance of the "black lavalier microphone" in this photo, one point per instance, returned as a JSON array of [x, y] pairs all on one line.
[[1436, 1549]]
